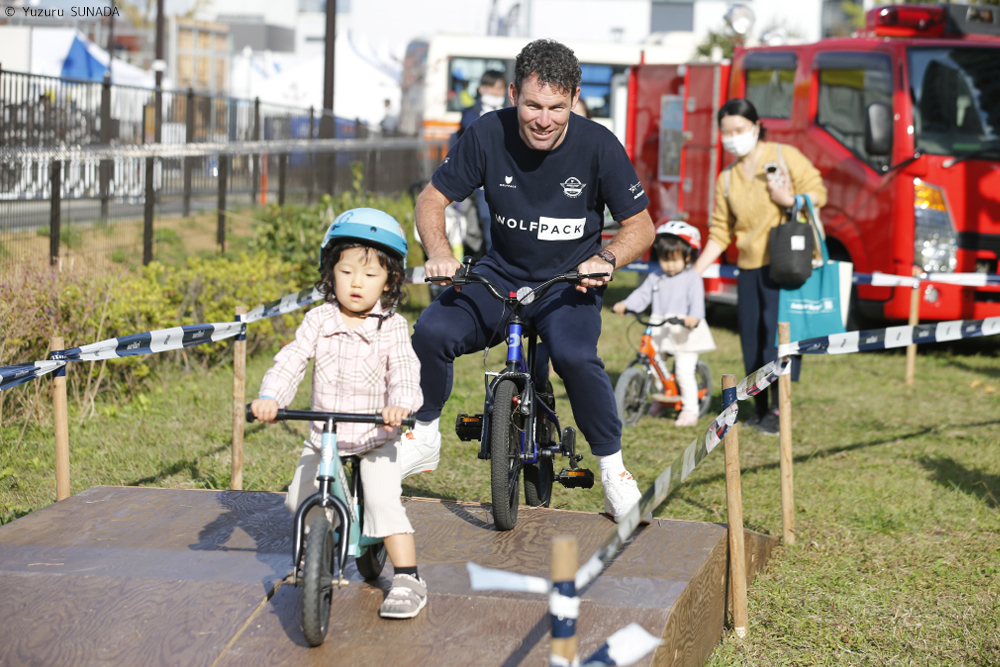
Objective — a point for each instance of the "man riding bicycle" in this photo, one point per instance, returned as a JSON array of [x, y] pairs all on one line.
[[548, 175]]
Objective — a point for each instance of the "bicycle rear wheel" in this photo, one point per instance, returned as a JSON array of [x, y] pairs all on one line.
[[632, 395], [317, 581], [538, 477], [372, 559], [505, 456]]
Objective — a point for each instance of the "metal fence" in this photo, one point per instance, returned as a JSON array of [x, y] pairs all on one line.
[[83, 175]]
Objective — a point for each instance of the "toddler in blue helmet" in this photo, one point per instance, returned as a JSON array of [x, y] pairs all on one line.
[[363, 363]]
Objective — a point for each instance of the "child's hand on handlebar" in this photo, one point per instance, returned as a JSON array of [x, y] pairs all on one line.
[[264, 409], [619, 308], [393, 416], [690, 321]]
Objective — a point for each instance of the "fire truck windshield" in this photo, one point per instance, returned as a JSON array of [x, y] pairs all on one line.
[[955, 93]]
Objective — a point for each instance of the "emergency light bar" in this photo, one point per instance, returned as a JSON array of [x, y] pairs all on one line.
[[906, 21], [921, 21]]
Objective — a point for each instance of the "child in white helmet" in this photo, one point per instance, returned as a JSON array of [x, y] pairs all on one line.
[[364, 363], [673, 289]]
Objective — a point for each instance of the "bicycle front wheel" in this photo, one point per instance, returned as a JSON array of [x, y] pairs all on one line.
[[632, 395], [704, 388], [505, 456], [317, 581]]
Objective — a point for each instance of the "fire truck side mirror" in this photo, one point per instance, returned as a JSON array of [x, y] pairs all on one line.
[[878, 129]]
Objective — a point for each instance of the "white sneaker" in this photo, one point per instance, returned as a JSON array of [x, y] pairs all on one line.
[[621, 493], [419, 452]]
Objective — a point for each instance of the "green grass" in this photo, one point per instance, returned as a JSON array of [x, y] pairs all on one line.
[[897, 489]]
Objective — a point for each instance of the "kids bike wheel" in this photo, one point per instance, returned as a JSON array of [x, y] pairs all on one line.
[[632, 395], [317, 581], [371, 561], [538, 477], [505, 456], [704, 388]]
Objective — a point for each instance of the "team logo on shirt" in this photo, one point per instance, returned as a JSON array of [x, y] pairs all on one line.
[[573, 188], [547, 229], [633, 188], [507, 182]]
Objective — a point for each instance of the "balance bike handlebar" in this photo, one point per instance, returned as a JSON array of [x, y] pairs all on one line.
[[340, 417]]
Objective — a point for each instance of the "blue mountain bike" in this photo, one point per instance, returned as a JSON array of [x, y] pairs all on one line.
[[326, 548], [519, 429]]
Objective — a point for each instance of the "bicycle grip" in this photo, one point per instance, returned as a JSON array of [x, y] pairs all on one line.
[[250, 418]]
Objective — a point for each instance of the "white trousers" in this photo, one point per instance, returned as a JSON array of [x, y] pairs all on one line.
[[381, 478], [685, 365]]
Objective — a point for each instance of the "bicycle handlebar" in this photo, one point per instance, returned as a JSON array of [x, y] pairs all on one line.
[[648, 323], [341, 417], [464, 276]]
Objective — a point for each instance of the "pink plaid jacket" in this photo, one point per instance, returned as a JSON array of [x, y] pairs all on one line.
[[359, 370]]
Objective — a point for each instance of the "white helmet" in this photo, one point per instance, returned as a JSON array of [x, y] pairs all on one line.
[[682, 229]]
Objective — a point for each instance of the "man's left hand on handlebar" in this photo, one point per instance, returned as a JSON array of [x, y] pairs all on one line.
[[594, 265]]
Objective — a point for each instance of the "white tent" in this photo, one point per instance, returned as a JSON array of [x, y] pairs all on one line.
[[363, 79], [68, 52]]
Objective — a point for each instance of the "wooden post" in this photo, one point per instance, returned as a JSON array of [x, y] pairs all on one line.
[[734, 506], [785, 455], [239, 403], [911, 350], [564, 565], [59, 409]]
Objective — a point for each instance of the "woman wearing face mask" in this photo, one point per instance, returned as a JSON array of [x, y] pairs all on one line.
[[747, 205]]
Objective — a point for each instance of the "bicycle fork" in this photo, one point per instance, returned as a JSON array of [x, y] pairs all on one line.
[[329, 496]]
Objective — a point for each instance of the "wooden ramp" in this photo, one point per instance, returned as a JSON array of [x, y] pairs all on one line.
[[140, 576]]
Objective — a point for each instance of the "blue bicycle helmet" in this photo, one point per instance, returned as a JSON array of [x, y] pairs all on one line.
[[368, 224]]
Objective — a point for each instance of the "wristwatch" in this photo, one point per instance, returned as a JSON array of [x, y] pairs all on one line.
[[608, 257]]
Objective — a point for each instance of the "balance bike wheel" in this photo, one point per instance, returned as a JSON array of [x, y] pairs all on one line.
[[317, 581], [505, 456], [632, 395], [371, 561]]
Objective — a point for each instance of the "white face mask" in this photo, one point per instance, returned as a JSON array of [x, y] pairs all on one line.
[[741, 144], [491, 101]]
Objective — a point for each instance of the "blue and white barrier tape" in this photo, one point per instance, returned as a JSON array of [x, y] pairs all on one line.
[[878, 279], [564, 609], [891, 337], [11, 376], [489, 579], [285, 304], [151, 342], [711, 271], [624, 647]]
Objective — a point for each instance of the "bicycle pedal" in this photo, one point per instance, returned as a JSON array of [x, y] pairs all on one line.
[[663, 398], [469, 427], [576, 478]]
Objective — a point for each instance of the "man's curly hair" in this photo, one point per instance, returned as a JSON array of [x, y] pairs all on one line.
[[554, 63]]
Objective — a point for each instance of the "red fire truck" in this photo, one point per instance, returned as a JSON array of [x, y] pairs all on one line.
[[902, 120]]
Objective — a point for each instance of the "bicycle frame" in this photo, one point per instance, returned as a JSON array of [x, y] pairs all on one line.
[[519, 369], [333, 488], [647, 354]]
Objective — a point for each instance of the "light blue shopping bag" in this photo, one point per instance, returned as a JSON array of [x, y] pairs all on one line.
[[819, 306]]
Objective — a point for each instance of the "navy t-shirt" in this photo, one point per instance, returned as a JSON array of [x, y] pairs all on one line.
[[546, 207]]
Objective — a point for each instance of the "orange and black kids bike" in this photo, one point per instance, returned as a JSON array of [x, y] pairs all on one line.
[[647, 379]]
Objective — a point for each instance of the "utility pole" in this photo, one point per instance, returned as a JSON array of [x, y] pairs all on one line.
[[159, 66], [326, 122], [111, 39]]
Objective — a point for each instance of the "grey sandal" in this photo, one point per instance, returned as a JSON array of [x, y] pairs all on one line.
[[406, 598]]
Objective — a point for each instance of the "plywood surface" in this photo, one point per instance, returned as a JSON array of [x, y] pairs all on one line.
[[128, 576]]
